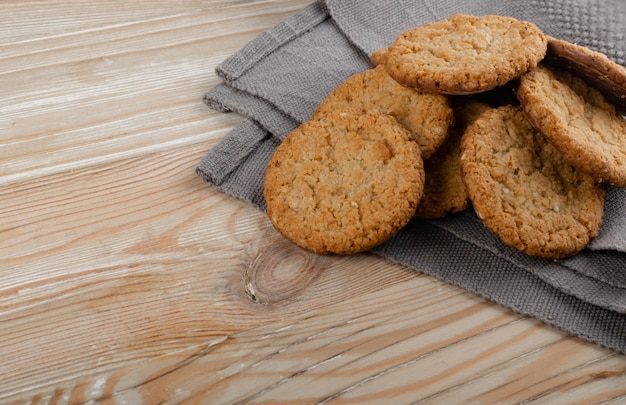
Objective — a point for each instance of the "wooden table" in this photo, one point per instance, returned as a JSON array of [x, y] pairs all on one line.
[[125, 279]]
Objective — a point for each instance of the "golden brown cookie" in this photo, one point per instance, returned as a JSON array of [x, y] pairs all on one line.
[[444, 190], [465, 54], [578, 120], [426, 115], [379, 57], [594, 67], [345, 182], [523, 189]]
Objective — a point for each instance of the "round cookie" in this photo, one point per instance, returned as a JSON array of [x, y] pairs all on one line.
[[594, 67], [344, 183], [465, 54], [577, 119], [523, 189], [444, 190], [426, 115]]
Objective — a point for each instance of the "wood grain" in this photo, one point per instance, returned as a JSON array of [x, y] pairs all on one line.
[[391, 345], [125, 279], [121, 267], [113, 90]]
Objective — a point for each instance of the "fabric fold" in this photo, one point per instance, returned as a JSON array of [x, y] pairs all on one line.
[[254, 52], [225, 98], [278, 80], [607, 292]]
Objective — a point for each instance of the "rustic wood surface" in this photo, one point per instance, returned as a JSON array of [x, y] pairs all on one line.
[[125, 279]]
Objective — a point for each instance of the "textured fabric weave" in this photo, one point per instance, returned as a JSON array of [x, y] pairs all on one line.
[[278, 80]]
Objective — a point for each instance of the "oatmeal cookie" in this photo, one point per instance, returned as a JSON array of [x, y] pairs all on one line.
[[345, 182], [594, 67], [426, 115], [577, 119], [465, 54], [379, 57], [523, 189], [444, 190]]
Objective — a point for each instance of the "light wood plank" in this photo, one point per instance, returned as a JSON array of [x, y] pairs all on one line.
[[94, 96], [395, 345], [32, 20]]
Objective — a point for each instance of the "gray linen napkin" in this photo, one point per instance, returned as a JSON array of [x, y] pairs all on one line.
[[278, 80]]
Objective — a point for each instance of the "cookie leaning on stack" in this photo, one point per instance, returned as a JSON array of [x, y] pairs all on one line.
[[593, 67], [524, 190], [554, 209], [578, 120]]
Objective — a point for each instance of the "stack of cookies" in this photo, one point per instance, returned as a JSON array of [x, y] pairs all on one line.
[[486, 111]]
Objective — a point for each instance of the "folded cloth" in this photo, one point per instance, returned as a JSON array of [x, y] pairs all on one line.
[[278, 80]]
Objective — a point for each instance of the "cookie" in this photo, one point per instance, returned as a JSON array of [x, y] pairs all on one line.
[[523, 189], [345, 182], [594, 67], [379, 57], [426, 115], [444, 190], [465, 54], [577, 119]]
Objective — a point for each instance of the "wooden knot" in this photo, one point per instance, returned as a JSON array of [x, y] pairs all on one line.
[[281, 271]]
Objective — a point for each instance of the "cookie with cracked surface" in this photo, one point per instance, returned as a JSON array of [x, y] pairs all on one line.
[[523, 189], [428, 116], [594, 67], [444, 190], [345, 182], [577, 119], [465, 54]]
